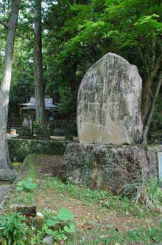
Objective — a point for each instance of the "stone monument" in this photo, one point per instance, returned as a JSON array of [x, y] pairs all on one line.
[[110, 129], [109, 103]]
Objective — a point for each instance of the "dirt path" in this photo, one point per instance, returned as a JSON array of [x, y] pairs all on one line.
[[89, 216]]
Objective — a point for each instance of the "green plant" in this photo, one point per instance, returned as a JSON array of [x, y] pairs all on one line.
[[26, 185], [105, 199], [142, 236], [13, 230], [75, 191], [60, 226], [41, 130], [24, 131], [67, 99]]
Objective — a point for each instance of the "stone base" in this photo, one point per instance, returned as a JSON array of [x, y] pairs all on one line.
[[110, 167]]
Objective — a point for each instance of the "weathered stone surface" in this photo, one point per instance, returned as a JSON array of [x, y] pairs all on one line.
[[109, 167], [8, 174], [109, 103]]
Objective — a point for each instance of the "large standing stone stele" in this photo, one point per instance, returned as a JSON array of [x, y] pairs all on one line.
[[109, 103]]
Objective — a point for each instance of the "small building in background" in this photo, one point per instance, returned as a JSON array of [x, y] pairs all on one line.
[[28, 111]]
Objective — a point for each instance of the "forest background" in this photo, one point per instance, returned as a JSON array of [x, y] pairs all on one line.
[[74, 35]]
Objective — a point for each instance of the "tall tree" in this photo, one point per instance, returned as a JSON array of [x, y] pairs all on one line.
[[39, 83], [5, 84]]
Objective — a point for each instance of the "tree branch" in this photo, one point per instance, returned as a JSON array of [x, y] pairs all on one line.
[[149, 119]]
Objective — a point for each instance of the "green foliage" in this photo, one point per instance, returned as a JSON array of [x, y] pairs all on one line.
[[13, 229], [60, 226], [141, 236], [125, 24], [20, 148], [78, 33], [41, 130], [26, 185], [105, 199], [24, 131], [83, 32], [66, 105], [77, 191], [64, 215]]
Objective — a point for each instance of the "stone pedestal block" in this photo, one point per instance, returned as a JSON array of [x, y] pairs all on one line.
[[110, 167]]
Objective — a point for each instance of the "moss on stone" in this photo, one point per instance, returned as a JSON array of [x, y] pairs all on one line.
[[108, 166], [20, 148]]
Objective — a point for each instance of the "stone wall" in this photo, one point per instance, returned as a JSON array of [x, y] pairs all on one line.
[[20, 148], [108, 166]]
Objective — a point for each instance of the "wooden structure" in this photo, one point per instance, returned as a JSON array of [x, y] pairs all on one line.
[[27, 110]]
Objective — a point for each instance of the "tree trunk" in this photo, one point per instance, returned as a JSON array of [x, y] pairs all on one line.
[[39, 84], [5, 85], [4, 159], [149, 119], [146, 99]]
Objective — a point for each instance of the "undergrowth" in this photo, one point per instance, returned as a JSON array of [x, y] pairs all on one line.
[[16, 229], [122, 204], [142, 236], [146, 201]]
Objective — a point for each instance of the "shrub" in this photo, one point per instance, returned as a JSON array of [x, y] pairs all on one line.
[[60, 226], [13, 230]]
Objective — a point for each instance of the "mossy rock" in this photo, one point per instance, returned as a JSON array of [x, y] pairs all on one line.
[[20, 148]]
